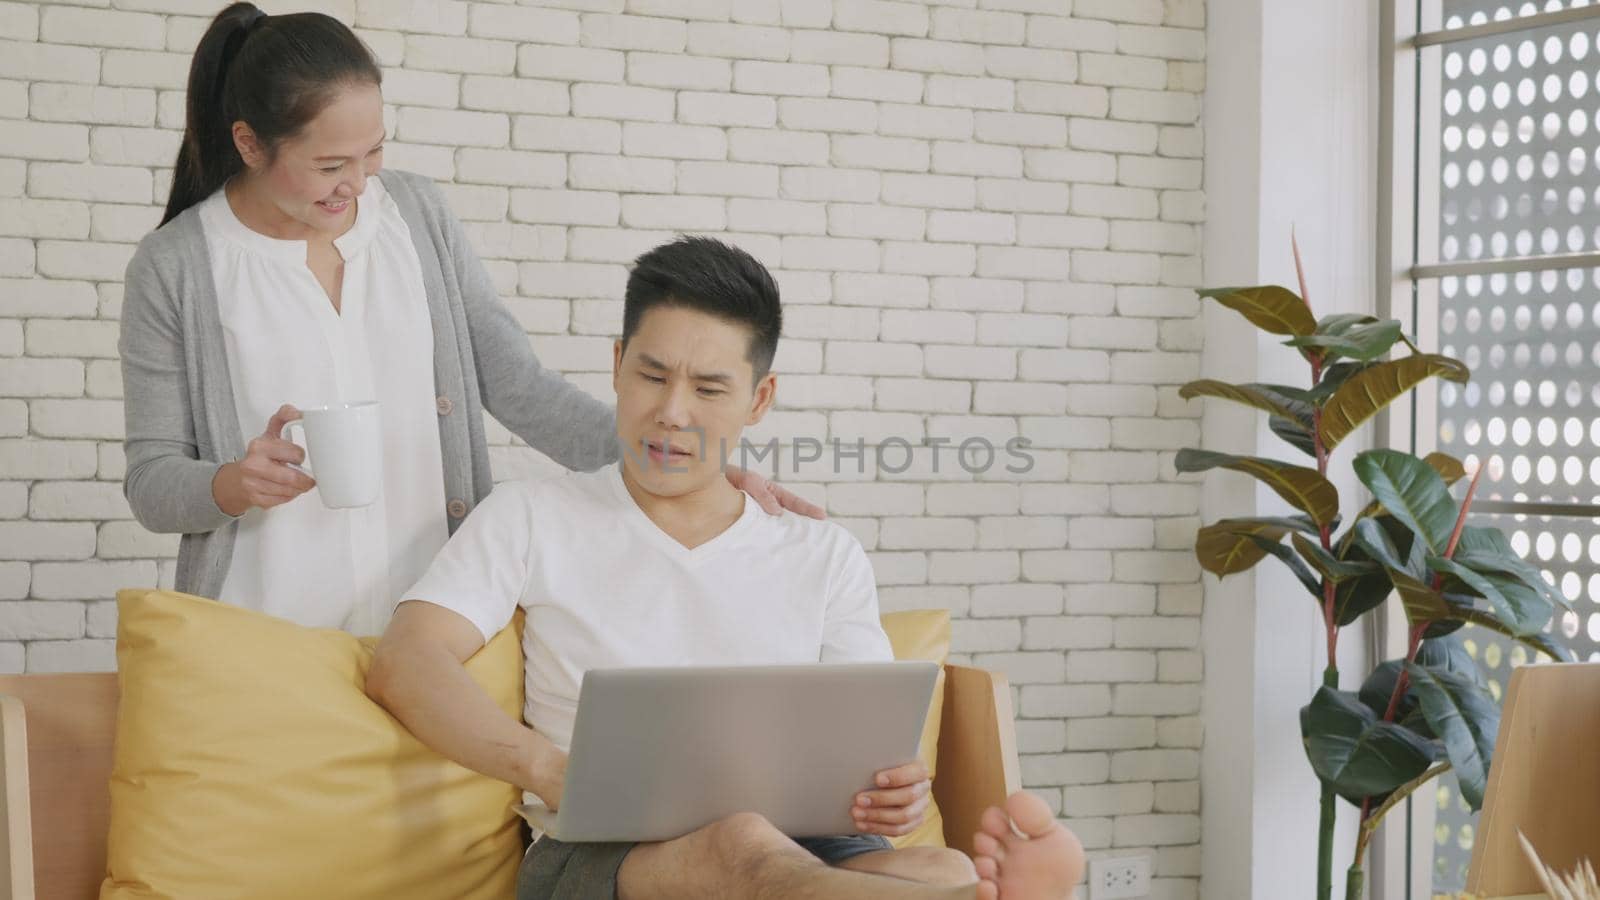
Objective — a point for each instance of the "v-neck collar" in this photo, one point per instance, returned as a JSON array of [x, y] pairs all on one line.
[[669, 544], [219, 214]]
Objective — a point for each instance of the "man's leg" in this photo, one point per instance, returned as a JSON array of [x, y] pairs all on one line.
[[1024, 854], [927, 865], [743, 857]]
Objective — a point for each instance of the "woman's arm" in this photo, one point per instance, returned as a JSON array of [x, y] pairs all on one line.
[[553, 415], [167, 485]]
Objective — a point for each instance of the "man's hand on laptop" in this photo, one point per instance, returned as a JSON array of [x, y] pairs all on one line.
[[898, 804], [547, 774]]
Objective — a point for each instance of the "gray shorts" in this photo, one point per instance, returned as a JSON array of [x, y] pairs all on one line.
[[553, 870]]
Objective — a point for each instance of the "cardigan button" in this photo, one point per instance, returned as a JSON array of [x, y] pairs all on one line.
[[456, 509], [444, 405]]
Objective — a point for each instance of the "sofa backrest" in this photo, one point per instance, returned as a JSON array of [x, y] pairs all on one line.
[[70, 723], [64, 726]]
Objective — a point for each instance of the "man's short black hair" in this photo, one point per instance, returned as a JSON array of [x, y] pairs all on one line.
[[705, 274]]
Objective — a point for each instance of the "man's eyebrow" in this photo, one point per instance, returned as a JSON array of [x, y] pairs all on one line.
[[716, 377]]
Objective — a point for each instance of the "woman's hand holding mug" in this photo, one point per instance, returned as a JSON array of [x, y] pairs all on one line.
[[267, 476]]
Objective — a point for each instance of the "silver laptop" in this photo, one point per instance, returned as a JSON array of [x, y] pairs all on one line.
[[660, 752]]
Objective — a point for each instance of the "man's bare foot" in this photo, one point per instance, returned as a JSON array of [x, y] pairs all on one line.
[[1045, 862]]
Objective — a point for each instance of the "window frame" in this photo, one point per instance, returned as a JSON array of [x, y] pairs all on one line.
[[1407, 288]]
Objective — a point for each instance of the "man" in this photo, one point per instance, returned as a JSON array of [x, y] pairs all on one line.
[[657, 560]]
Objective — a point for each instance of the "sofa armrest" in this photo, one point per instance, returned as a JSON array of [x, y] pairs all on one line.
[[977, 751], [16, 819]]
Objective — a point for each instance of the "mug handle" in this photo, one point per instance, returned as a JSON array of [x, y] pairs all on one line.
[[288, 434]]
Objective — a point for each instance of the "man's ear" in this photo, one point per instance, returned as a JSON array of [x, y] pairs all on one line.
[[616, 364], [766, 394]]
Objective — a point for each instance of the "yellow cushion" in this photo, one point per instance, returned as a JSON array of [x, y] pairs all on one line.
[[250, 764], [924, 634]]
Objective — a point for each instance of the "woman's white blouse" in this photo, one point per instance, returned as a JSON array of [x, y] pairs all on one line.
[[338, 568]]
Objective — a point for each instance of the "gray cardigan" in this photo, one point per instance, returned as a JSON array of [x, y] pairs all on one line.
[[182, 424]]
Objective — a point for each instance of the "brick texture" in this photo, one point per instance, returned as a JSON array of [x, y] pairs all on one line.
[[985, 218]]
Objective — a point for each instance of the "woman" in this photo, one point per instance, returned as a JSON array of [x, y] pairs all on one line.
[[284, 273]]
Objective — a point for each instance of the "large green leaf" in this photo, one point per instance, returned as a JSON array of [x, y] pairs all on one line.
[[1379, 687], [1447, 654], [1411, 491], [1379, 546], [1399, 795], [1268, 307], [1444, 654], [1265, 397], [1294, 563], [1354, 598], [1445, 627], [1487, 550], [1331, 568], [1305, 489], [1355, 337], [1465, 717], [1342, 323], [1477, 538], [1289, 413], [1333, 378], [1294, 434], [1449, 468], [1224, 547], [1358, 755], [1422, 603], [1466, 614], [1367, 392], [1500, 567], [1517, 605]]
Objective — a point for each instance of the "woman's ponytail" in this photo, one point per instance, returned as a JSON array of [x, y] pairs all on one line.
[[274, 73], [207, 157]]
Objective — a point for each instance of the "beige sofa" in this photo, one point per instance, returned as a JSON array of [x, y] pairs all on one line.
[[55, 763]]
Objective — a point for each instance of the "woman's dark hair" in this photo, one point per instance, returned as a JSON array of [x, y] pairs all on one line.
[[705, 274], [274, 73]]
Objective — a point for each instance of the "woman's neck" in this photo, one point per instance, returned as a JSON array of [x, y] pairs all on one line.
[[259, 214]]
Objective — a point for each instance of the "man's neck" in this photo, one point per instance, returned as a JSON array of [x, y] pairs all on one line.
[[690, 519]]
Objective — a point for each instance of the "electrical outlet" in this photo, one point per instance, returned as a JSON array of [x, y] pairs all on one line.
[[1124, 876]]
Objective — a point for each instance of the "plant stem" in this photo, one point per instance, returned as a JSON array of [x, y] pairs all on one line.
[[1369, 821], [1403, 681], [1354, 883], [1352, 888], [1330, 678], [1329, 591], [1461, 518], [1330, 675], [1299, 268]]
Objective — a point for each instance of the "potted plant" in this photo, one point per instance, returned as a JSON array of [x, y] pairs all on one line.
[[1411, 718]]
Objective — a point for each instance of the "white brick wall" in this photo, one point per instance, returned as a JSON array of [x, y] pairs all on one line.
[[985, 216]]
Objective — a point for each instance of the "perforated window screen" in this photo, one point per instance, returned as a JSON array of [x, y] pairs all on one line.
[[1519, 176]]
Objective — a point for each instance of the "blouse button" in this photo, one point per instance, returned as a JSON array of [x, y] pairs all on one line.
[[457, 509], [444, 405]]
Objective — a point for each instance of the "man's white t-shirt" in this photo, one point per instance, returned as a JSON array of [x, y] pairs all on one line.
[[605, 587]]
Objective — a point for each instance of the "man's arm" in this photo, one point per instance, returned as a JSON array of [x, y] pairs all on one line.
[[418, 675], [853, 633]]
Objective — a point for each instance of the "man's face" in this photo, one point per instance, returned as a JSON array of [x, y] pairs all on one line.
[[685, 392]]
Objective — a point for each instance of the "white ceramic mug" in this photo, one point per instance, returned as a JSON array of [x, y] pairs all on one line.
[[344, 452]]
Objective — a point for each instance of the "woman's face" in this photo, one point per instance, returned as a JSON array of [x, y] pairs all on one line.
[[316, 174]]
